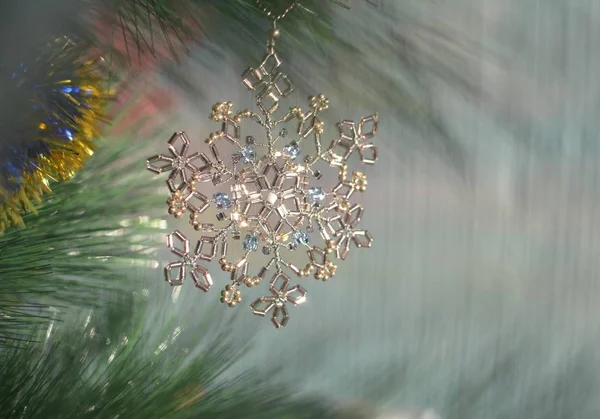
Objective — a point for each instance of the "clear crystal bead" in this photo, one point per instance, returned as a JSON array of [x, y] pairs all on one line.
[[250, 243], [222, 200], [300, 237], [292, 150], [189, 260], [280, 300], [248, 153], [178, 163], [315, 195]]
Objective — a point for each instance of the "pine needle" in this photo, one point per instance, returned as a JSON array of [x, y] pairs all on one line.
[[110, 364], [88, 234]]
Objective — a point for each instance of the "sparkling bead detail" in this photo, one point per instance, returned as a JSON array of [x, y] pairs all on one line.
[[250, 243], [179, 163], [280, 300], [315, 195], [248, 154], [222, 200], [189, 260], [292, 150], [301, 237]]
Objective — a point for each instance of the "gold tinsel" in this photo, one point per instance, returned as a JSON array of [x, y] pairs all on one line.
[[63, 158]]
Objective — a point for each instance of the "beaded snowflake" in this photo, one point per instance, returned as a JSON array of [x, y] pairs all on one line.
[[269, 195]]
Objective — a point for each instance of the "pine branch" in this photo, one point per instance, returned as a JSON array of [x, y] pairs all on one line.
[[89, 233], [139, 30], [126, 360]]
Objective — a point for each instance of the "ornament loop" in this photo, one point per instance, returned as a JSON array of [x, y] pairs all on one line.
[[270, 13]]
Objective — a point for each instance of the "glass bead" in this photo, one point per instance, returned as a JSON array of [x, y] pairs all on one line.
[[250, 243], [292, 150], [248, 154], [300, 237], [315, 195], [222, 200]]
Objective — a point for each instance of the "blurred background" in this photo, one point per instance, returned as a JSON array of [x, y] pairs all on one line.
[[478, 298]]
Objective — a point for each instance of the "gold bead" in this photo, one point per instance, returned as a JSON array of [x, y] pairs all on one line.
[[223, 261]]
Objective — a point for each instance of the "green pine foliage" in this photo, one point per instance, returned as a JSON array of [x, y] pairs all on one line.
[[148, 26], [109, 363], [87, 237]]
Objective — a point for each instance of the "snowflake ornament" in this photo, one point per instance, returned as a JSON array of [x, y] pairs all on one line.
[[271, 203]]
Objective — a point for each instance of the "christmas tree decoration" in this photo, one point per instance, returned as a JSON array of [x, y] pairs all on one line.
[[56, 105], [270, 192]]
